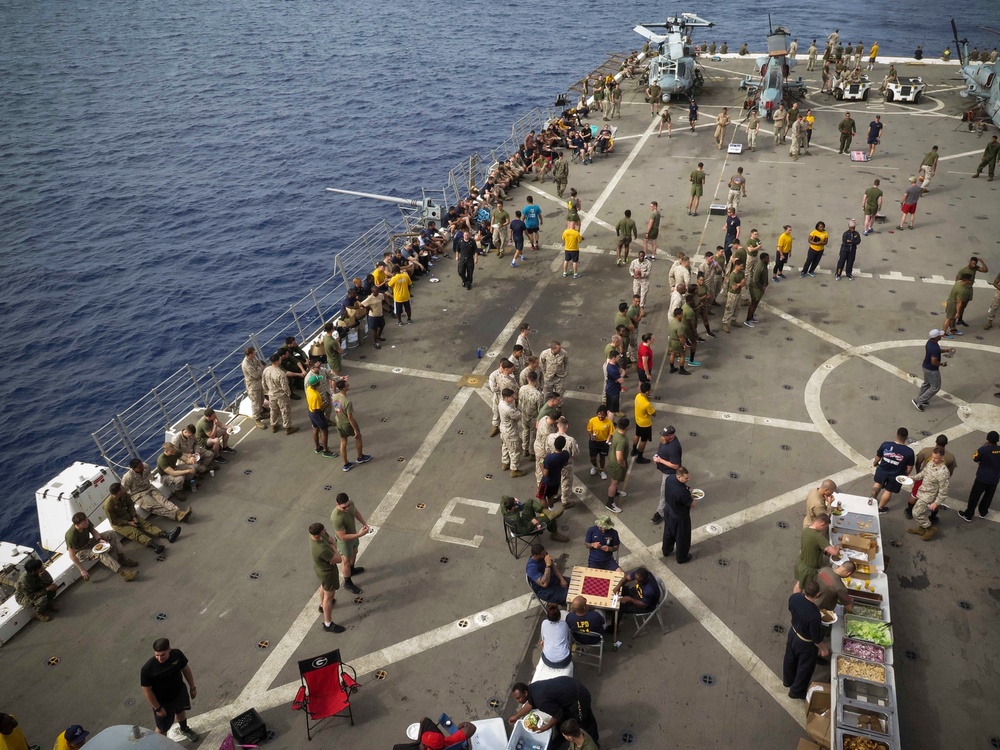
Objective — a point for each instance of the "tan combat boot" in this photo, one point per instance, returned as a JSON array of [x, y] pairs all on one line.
[[494, 432], [518, 473], [291, 430], [128, 575], [930, 533], [127, 562], [184, 515]]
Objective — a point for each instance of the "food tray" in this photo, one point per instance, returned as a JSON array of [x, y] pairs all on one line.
[[848, 619], [862, 609], [848, 643], [844, 662], [854, 523], [881, 743], [864, 719], [867, 694]]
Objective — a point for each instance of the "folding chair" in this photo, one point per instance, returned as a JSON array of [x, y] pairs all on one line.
[[641, 619], [588, 649], [534, 596], [326, 689], [518, 543]]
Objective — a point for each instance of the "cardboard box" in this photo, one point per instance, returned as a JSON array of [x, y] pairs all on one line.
[[868, 547], [808, 745], [819, 714]]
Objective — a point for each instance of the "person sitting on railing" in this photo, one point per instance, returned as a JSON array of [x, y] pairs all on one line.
[[212, 433], [82, 537], [541, 166], [178, 471], [432, 239], [295, 371], [295, 351], [137, 484], [407, 262], [186, 443], [381, 273], [417, 253], [458, 219]]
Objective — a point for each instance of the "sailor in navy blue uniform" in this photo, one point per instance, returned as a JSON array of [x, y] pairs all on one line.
[[805, 641]]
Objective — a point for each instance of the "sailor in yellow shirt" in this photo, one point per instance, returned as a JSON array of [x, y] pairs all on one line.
[[644, 412], [599, 428], [379, 275], [11, 736], [73, 738], [571, 242], [784, 250], [400, 285]]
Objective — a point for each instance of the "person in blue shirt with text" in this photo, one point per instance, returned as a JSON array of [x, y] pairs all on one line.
[[894, 458]]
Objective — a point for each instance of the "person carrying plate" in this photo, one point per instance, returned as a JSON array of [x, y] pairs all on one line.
[[81, 541]]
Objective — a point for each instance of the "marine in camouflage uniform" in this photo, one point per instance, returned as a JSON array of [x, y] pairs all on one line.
[[554, 363], [186, 442], [279, 394], [510, 433], [529, 401], [545, 427], [502, 377], [123, 517], [138, 485], [253, 369], [35, 588], [573, 448]]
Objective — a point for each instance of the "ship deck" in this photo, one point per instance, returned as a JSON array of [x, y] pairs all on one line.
[[444, 617]]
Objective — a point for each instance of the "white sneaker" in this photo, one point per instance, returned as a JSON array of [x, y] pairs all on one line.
[[621, 494], [604, 475], [593, 471], [613, 508]]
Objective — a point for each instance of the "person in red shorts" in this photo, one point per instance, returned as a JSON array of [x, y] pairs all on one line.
[[910, 197]]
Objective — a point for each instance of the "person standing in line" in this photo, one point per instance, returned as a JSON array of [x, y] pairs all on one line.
[[737, 190], [532, 221], [599, 428], [347, 425], [974, 266], [344, 520], [626, 231], [644, 413], [758, 286], [733, 230], [987, 477], [704, 297], [689, 319], [875, 128], [522, 340], [316, 405], [325, 559], [554, 363], [510, 434], [818, 240], [665, 120], [613, 382], [780, 124], [667, 461], [818, 501], [677, 344], [617, 465], [847, 128], [640, 269], [797, 132], [278, 395], [253, 369], [804, 643], [644, 363], [812, 52], [547, 425], [734, 286], [753, 129], [572, 449], [529, 401], [678, 503], [560, 173], [894, 458], [697, 180], [910, 197], [466, 258], [573, 208], [871, 204], [571, 243], [652, 231], [921, 459], [400, 285], [934, 482], [162, 680], [989, 160], [501, 378], [928, 168], [783, 252], [848, 250], [722, 121], [813, 545]]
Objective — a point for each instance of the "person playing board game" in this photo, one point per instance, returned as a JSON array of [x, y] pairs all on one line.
[[641, 592], [585, 622], [545, 577], [603, 541]]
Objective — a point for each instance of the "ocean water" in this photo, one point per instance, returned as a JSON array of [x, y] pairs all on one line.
[[160, 162]]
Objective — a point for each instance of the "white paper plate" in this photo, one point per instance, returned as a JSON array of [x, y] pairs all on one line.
[[101, 548], [831, 612], [413, 730], [904, 480], [234, 430], [698, 494]]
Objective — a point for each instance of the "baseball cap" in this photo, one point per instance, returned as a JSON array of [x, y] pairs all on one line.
[[75, 734], [314, 379], [433, 740], [668, 430], [852, 223], [935, 333]]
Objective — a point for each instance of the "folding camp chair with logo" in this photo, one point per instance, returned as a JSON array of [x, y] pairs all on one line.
[[327, 686], [518, 543]]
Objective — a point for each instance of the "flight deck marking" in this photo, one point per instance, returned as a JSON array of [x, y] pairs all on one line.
[[447, 516]]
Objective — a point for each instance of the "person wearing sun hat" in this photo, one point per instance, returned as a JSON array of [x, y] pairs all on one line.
[[73, 738], [603, 542]]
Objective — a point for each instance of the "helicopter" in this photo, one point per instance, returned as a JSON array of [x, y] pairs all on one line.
[[674, 69], [772, 85], [982, 82]]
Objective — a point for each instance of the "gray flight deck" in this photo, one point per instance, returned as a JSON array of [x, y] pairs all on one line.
[[809, 394]]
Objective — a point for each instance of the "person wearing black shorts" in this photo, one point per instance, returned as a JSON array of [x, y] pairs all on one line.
[[894, 458], [162, 679]]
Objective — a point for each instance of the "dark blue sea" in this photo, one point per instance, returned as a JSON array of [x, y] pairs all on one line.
[[160, 162]]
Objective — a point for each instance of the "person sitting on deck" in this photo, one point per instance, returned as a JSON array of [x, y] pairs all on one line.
[[187, 445], [545, 577], [641, 592], [177, 471], [212, 434], [120, 510], [525, 518], [139, 487], [36, 589], [82, 537]]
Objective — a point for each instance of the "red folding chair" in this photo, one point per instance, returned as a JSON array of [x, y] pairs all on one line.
[[326, 689]]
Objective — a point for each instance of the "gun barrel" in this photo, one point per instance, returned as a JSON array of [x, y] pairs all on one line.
[[374, 196]]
